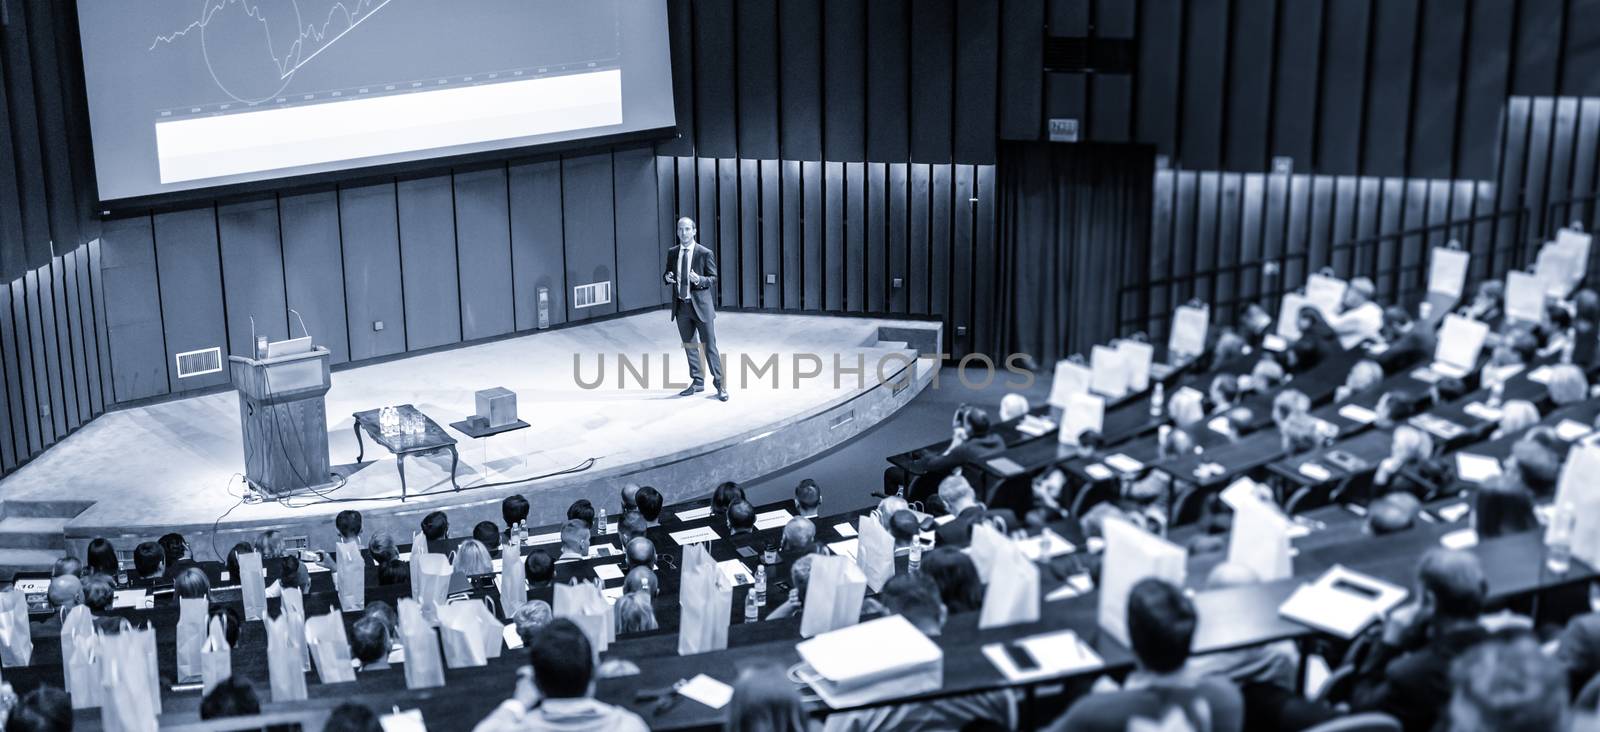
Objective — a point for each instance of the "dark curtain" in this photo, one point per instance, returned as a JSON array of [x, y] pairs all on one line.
[[1074, 225]]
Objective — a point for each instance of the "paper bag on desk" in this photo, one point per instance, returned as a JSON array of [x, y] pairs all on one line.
[[286, 640], [1460, 342], [513, 581], [216, 656], [985, 546], [586, 607], [1012, 595], [1071, 378], [192, 614], [1083, 413], [252, 586], [330, 648], [1132, 554], [1136, 357], [875, 552], [1108, 377], [833, 595], [80, 663], [292, 602], [424, 669], [1579, 489], [461, 632], [1524, 297], [1289, 315], [1259, 540], [419, 549], [432, 572], [1326, 293], [351, 576], [1447, 271], [705, 603], [16, 640], [130, 689], [1188, 336], [902, 662]]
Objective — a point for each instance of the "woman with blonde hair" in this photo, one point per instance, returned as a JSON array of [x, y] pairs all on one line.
[[1363, 376], [1186, 408], [635, 614], [1409, 448], [472, 559], [1516, 416], [1567, 385], [764, 700]]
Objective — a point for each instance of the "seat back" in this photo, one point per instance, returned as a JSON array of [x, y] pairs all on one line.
[[1363, 722]]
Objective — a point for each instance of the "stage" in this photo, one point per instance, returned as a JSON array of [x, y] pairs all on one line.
[[175, 465]]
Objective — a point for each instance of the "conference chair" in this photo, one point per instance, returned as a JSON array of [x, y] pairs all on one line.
[[1353, 489], [1091, 495], [1363, 722], [1189, 506]]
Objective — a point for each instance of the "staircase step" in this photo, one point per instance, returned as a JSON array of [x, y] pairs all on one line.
[[30, 532], [19, 560], [45, 509]]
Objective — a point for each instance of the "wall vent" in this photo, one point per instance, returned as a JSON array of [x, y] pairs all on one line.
[[199, 363], [588, 296]]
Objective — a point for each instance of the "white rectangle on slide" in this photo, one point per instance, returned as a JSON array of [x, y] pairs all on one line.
[[290, 137]]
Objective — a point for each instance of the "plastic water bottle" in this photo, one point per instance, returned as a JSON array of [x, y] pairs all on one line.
[[752, 610], [914, 556], [760, 590], [1495, 393], [600, 522], [1158, 399], [1558, 541]]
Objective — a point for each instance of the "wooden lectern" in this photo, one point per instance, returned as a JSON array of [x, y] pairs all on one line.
[[285, 420]]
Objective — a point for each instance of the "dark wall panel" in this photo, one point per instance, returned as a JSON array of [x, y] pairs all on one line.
[[1580, 53], [313, 268], [1160, 41], [1249, 84], [373, 300], [252, 274], [536, 243], [888, 128], [589, 230], [933, 37], [1484, 87], [977, 78], [133, 310], [772, 272], [680, 28], [800, 78], [1111, 107], [641, 250], [191, 290], [855, 237], [1389, 92], [426, 218], [483, 242], [715, 86], [792, 247], [1433, 124], [749, 215], [1021, 69], [758, 78], [844, 48], [1536, 68], [1344, 74], [1296, 74], [1204, 69]]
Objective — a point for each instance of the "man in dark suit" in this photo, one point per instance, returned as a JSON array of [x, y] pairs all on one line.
[[1409, 343], [962, 503], [574, 550], [692, 273]]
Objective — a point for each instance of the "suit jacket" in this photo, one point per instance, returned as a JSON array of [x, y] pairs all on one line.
[[958, 532], [1412, 682], [576, 569], [1416, 346], [703, 263]]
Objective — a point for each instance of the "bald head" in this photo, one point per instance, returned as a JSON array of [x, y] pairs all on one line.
[[903, 525], [641, 552], [799, 536], [630, 493], [66, 592]]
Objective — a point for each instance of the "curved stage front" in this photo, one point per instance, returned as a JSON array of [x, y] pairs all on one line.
[[174, 466]]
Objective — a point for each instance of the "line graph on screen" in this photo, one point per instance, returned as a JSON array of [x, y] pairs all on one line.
[[241, 41]]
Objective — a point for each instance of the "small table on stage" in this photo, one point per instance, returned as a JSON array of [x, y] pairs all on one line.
[[432, 439], [478, 429]]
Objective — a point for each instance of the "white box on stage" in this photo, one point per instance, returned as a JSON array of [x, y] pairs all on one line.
[[497, 407]]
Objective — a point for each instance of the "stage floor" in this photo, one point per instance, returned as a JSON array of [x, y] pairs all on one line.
[[176, 463]]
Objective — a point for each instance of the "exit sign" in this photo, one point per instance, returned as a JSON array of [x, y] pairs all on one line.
[[1063, 129]]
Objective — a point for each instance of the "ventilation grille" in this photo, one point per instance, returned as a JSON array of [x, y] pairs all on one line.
[[588, 296], [199, 363]]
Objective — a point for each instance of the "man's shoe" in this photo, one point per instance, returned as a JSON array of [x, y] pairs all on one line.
[[722, 394], [692, 389]]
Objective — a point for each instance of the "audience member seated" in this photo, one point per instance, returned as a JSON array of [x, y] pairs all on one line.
[[352, 717], [348, 524], [1223, 393], [560, 696], [541, 575], [1410, 449], [1360, 319], [231, 697], [369, 643], [1407, 673], [649, 500], [956, 576], [807, 498], [726, 494], [582, 510], [101, 558], [574, 549], [487, 534], [1498, 510], [642, 579], [799, 539], [1301, 434], [513, 511], [765, 700], [1161, 624], [67, 565], [149, 565], [1567, 385], [1392, 513], [915, 598], [1513, 354], [64, 593], [175, 550], [970, 440], [192, 584], [232, 562], [394, 572], [1578, 648], [531, 618], [1585, 334], [799, 576], [1363, 376], [45, 709], [1013, 406], [641, 552], [1409, 343], [228, 617], [741, 518], [435, 527], [904, 527], [635, 614], [886, 508], [291, 573], [630, 496], [1515, 416], [1317, 341], [960, 500], [1266, 376], [1486, 301], [1186, 408], [382, 548], [630, 526], [1535, 462], [1508, 684], [472, 559], [270, 544], [1289, 403], [98, 592]]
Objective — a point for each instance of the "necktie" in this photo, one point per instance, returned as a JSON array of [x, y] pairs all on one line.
[[683, 272]]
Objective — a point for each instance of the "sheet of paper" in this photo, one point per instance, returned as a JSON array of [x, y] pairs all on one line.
[[1136, 357], [772, 519], [1219, 424], [611, 594], [1315, 471], [1123, 464], [1046, 545], [1259, 539], [846, 548], [1570, 430], [1542, 374], [694, 514], [512, 637], [1070, 378], [1326, 293], [1005, 466], [1474, 468], [1274, 342], [1055, 653], [695, 536], [1098, 471], [1454, 512], [1084, 413], [1358, 414], [1108, 376], [1034, 426], [553, 537], [607, 572], [1188, 337], [707, 691], [407, 721], [1524, 297], [1447, 271], [1483, 411], [1133, 554], [137, 598], [1341, 601], [1460, 341], [1459, 539], [736, 572], [845, 530]]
